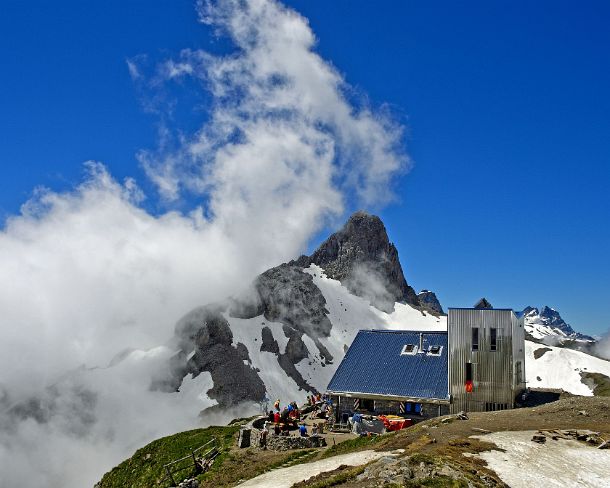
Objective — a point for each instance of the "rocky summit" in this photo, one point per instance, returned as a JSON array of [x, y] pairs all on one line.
[[362, 257], [428, 301]]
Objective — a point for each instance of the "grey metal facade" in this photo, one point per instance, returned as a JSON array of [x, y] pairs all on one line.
[[498, 376]]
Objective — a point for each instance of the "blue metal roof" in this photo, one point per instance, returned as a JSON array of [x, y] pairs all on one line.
[[482, 309], [374, 365]]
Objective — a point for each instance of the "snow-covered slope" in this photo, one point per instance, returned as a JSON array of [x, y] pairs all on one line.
[[347, 313], [561, 368]]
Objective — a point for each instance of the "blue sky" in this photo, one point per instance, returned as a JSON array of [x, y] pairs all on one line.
[[506, 105]]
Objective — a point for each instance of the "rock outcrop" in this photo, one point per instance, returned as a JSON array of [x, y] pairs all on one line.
[[429, 302], [206, 344]]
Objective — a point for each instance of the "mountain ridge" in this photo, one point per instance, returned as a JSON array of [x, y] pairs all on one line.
[[283, 316], [547, 323]]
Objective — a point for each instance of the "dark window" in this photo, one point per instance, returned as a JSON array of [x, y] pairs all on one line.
[[408, 349], [366, 404], [493, 339], [468, 371], [518, 373], [435, 350], [475, 338]]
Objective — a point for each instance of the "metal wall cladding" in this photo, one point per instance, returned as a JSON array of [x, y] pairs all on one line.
[[494, 379], [518, 354]]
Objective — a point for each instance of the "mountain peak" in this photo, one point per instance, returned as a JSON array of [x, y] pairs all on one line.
[[548, 321], [429, 302], [361, 256], [483, 303], [531, 311]]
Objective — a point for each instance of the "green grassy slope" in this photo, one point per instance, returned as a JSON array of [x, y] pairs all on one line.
[[145, 468]]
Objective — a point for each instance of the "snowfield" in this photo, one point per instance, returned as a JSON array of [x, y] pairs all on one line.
[[562, 463], [249, 332], [286, 477], [561, 368]]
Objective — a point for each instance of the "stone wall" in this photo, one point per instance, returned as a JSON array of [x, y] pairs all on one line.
[[250, 436], [285, 443]]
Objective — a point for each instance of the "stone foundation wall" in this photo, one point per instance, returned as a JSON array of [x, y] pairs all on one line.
[[251, 437], [285, 443]]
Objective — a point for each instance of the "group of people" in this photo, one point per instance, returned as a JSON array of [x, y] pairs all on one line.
[[283, 418], [313, 399], [289, 417], [322, 406]]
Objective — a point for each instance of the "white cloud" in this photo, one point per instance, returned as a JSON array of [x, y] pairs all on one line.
[[279, 109], [134, 71], [88, 273]]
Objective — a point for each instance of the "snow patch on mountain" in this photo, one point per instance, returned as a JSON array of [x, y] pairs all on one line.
[[249, 333], [347, 313], [350, 313], [560, 368]]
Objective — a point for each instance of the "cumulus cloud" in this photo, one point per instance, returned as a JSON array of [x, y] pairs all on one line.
[[91, 283], [283, 119]]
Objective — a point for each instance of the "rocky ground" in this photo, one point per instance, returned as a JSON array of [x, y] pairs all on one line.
[[434, 450], [444, 451]]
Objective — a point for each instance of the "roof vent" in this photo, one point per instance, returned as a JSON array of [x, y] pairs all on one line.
[[408, 350]]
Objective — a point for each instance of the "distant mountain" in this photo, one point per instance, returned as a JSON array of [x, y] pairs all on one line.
[[547, 324]]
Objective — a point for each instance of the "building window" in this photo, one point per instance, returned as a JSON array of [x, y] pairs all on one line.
[[468, 371], [435, 350], [475, 338], [493, 407], [493, 339], [518, 373], [366, 404], [408, 349]]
